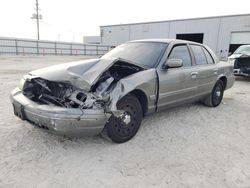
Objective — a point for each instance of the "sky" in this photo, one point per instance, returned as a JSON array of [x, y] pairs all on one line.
[[70, 20]]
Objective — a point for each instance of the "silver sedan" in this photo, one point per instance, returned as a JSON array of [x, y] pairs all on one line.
[[116, 91]]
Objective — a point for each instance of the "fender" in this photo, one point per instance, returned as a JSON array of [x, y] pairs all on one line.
[[145, 81]]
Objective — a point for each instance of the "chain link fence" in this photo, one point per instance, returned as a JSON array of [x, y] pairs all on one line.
[[15, 46]]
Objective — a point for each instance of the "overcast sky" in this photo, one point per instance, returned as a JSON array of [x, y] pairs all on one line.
[[70, 20]]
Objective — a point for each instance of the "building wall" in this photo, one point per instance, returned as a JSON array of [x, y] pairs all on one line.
[[207, 26], [115, 35], [229, 25], [156, 30], [92, 39], [217, 31]]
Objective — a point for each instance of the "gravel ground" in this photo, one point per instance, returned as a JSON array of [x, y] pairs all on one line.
[[187, 146]]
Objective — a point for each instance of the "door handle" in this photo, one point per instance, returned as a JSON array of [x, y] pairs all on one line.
[[216, 71], [194, 74]]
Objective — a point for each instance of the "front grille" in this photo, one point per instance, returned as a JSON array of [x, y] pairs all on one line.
[[242, 63]]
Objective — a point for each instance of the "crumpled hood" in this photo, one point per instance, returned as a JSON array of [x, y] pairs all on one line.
[[82, 74], [235, 56]]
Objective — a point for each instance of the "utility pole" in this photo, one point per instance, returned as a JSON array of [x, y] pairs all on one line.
[[37, 20], [37, 17]]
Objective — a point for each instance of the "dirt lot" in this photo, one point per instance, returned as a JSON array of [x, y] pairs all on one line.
[[188, 146]]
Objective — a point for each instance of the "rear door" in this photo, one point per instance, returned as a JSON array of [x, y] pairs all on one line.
[[205, 68], [177, 84]]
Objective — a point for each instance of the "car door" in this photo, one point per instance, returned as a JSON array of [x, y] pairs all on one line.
[[205, 68], [177, 84]]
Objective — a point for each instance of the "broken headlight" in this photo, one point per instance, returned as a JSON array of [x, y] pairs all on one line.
[[21, 83]]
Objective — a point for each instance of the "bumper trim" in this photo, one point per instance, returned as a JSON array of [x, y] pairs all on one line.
[[238, 72]]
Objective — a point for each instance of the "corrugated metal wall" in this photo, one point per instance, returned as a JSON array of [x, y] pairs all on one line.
[[217, 31]]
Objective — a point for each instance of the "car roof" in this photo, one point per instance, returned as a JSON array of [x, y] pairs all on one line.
[[163, 40]]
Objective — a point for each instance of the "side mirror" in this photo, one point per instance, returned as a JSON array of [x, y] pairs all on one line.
[[173, 63]]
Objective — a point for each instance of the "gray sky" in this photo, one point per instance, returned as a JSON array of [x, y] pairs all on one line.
[[70, 20]]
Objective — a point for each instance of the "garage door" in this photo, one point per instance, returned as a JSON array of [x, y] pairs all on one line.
[[238, 39], [195, 37]]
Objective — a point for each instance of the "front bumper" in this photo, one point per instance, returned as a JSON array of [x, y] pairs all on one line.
[[238, 72], [63, 121]]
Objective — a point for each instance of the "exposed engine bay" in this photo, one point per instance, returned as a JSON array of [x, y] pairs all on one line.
[[66, 95], [243, 63]]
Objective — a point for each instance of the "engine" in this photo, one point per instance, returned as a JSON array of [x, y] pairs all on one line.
[[57, 94]]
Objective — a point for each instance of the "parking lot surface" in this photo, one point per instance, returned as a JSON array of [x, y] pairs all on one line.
[[187, 146]]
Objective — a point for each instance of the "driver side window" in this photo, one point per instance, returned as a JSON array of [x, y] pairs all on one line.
[[181, 52]]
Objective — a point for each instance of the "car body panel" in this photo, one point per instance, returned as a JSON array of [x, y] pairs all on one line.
[[225, 69], [175, 85], [144, 81], [206, 76], [82, 74], [70, 73]]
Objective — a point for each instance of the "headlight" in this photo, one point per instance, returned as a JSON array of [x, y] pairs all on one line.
[[21, 84]]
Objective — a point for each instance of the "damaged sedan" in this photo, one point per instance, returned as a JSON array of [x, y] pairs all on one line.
[[241, 59], [114, 92]]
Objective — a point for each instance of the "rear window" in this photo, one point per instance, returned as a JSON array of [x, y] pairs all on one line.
[[199, 55], [208, 56]]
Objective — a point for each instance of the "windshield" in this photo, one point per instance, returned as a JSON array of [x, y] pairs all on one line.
[[146, 54], [245, 49]]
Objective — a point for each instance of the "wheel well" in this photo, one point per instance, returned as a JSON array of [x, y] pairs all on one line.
[[224, 80], [142, 98]]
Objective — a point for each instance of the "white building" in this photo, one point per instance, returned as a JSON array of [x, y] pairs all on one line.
[[92, 39], [221, 33]]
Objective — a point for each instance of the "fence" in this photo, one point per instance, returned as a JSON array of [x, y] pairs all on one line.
[[14, 46]]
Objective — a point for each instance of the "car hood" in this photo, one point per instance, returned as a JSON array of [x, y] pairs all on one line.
[[82, 74], [235, 56]]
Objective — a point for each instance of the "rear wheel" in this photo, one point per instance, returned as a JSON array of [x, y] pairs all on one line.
[[215, 97], [123, 128]]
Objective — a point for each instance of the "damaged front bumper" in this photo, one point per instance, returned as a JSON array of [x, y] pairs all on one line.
[[239, 72], [63, 121]]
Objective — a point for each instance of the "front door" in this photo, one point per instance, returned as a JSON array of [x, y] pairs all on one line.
[[177, 84]]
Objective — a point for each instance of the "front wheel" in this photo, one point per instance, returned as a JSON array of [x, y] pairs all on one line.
[[123, 128], [215, 97]]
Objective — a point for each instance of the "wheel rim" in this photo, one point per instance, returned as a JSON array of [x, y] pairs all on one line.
[[126, 125], [217, 95]]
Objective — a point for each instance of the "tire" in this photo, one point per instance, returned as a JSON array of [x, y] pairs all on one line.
[[121, 130], [215, 97]]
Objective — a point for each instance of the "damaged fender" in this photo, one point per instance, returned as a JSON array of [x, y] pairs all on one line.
[[145, 81]]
